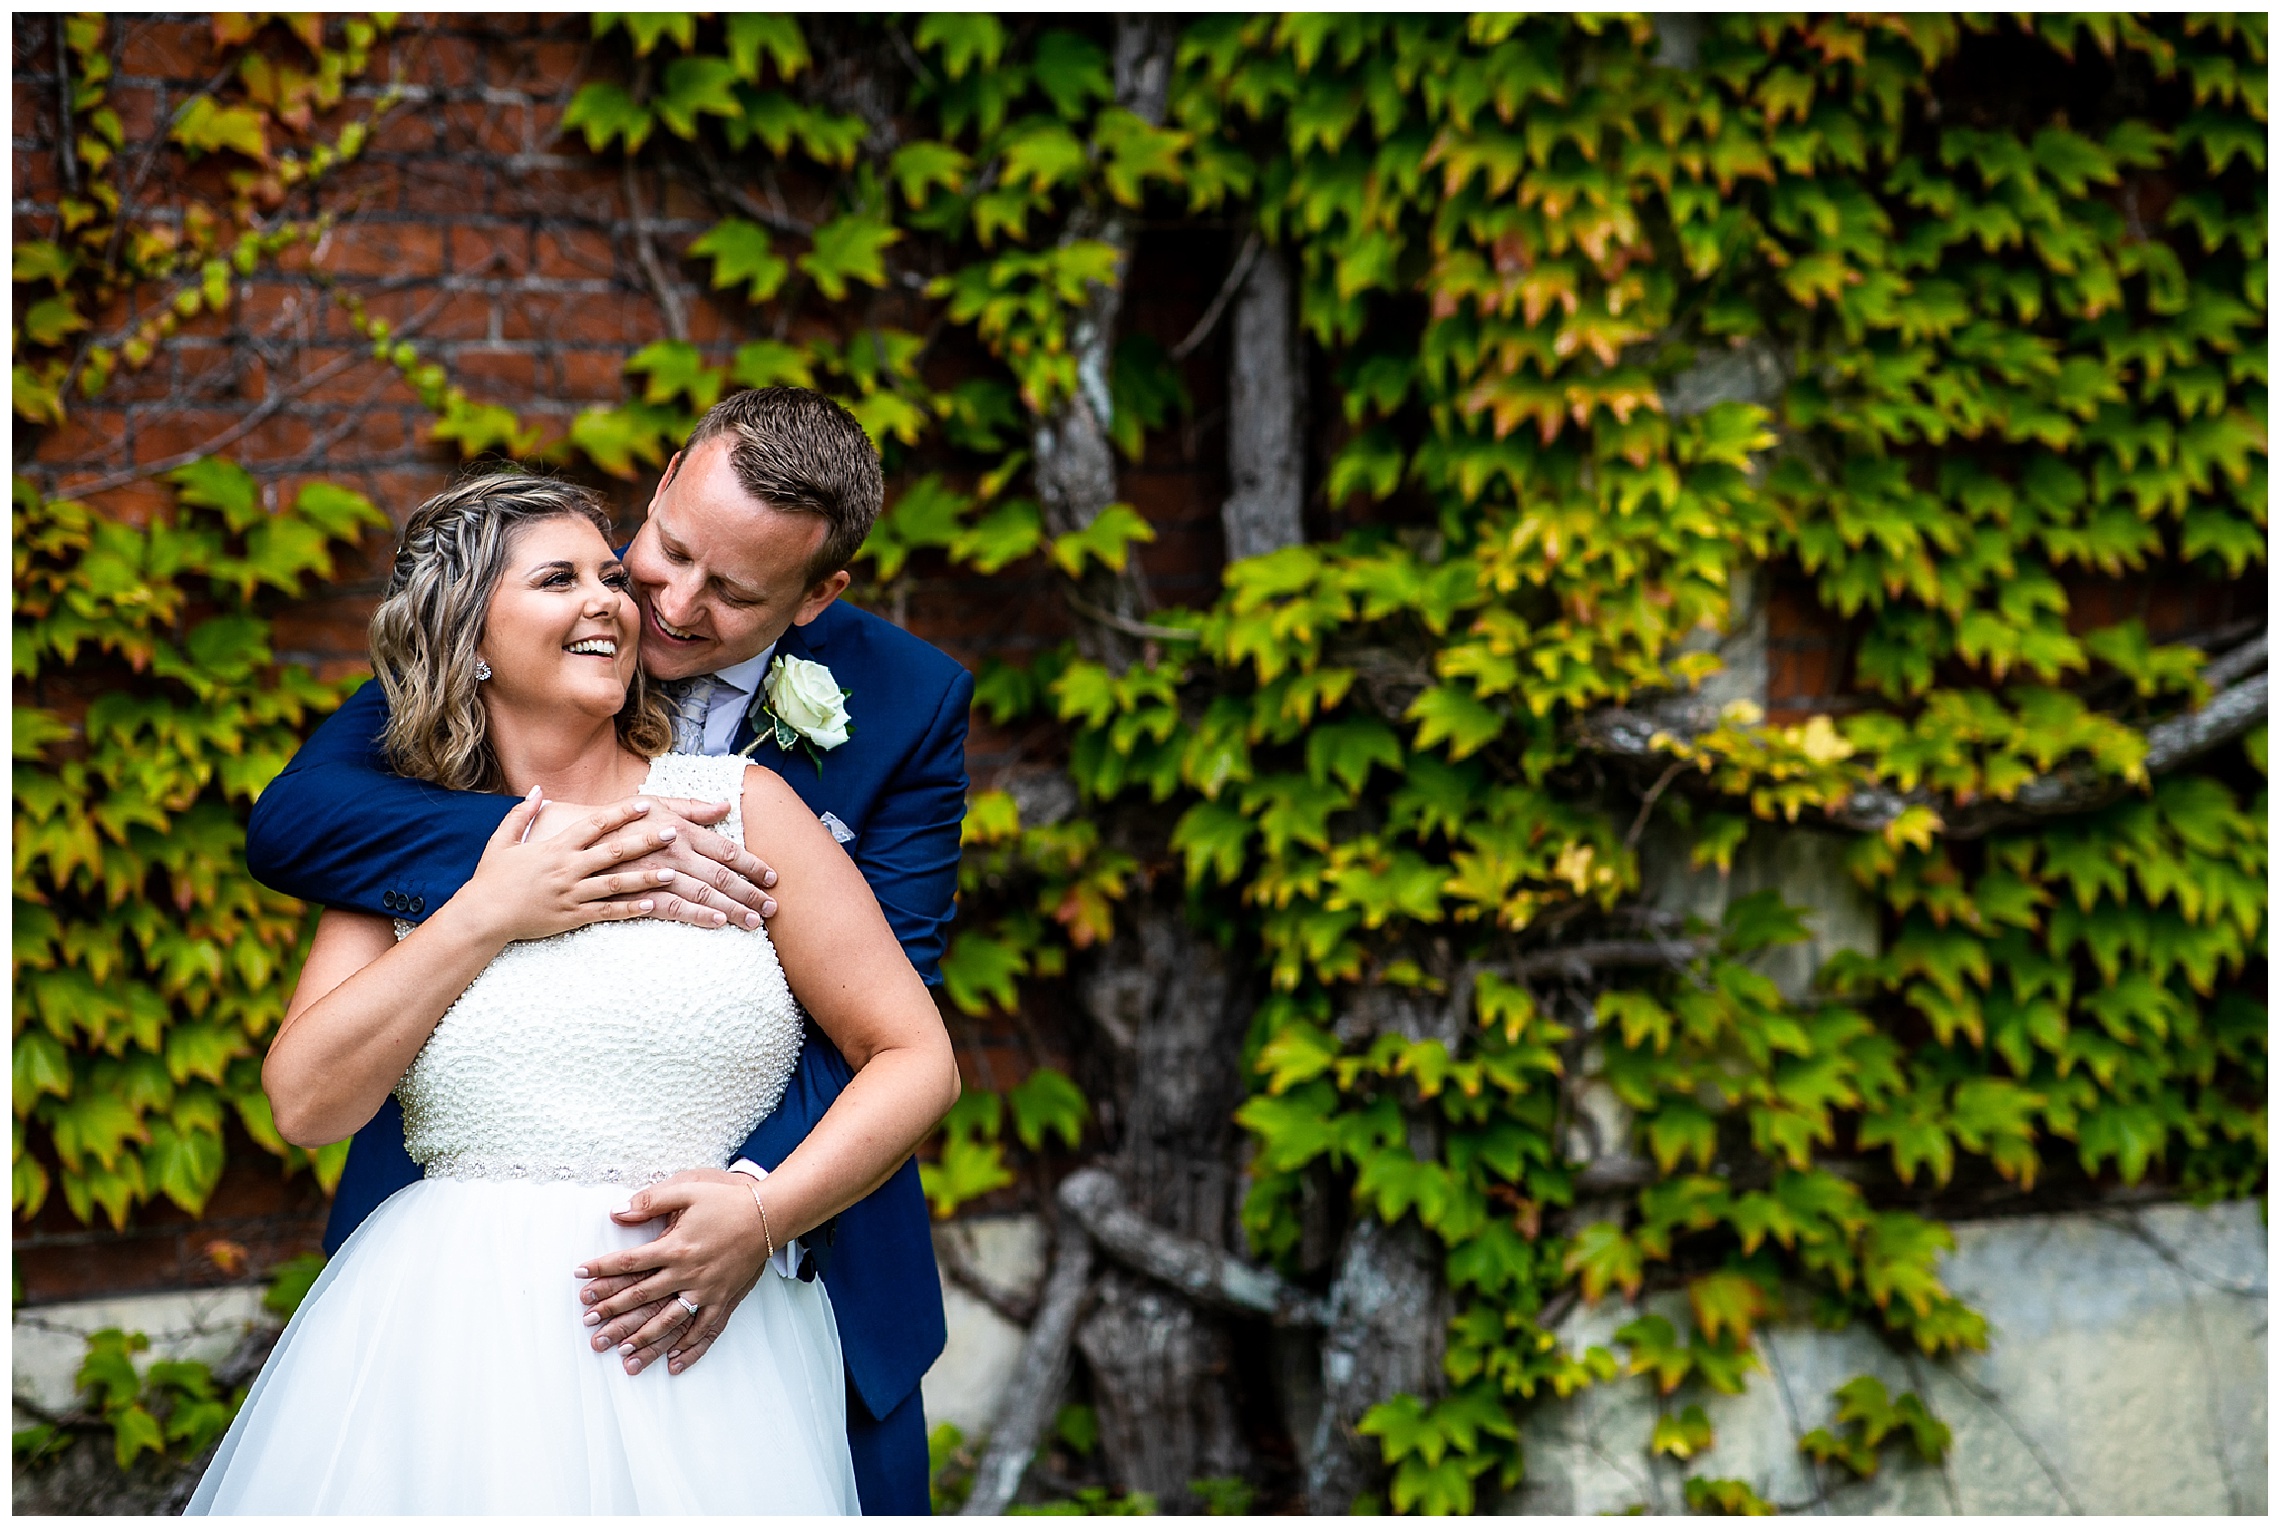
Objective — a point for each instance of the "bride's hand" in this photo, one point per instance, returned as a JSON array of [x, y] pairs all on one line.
[[712, 1250], [527, 888]]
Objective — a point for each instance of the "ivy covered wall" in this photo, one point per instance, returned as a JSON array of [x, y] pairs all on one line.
[[1564, 390]]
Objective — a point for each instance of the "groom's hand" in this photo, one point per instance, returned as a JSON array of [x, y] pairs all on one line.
[[713, 879], [712, 1251]]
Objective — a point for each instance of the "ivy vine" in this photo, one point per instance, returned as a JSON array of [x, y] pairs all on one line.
[[1997, 342]]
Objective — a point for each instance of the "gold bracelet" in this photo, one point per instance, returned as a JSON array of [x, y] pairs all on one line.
[[766, 1235]]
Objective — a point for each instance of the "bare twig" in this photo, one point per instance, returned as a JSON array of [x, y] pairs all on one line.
[[957, 1262], [1147, 630], [1580, 960], [1039, 1377], [2239, 704], [676, 313], [1203, 1273], [253, 420], [1227, 291], [63, 110], [1647, 806]]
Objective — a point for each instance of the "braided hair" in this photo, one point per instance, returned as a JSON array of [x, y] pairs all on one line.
[[425, 634]]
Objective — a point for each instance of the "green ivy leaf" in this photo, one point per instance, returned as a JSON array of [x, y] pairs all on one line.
[[741, 252]]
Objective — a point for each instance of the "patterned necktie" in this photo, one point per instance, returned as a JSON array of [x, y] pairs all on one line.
[[692, 703]]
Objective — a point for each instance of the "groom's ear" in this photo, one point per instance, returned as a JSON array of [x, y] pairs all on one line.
[[820, 594], [671, 467]]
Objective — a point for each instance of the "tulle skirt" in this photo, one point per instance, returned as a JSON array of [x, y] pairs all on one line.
[[439, 1365]]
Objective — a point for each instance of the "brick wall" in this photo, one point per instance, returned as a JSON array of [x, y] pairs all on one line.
[[512, 257]]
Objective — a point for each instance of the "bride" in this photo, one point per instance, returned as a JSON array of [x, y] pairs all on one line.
[[552, 1057]]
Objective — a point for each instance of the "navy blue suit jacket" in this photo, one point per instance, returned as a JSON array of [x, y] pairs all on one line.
[[337, 828]]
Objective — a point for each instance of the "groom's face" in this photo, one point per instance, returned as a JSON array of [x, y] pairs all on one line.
[[718, 574]]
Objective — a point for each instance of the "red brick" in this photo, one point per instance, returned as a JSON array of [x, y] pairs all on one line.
[[168, 50], [544, 63], [280, 437], [458, 316], [148, 385], [589, 375], [442, 60], [272, 308], [453, 187], [573, 254], [584, 318], [391, 249], [133, 504], [138, 109], [38, 180], [371, 187], [493, 249], [575, 189], [33, 108], [176, 432], [409, 129], [496, 375], [334, 626], [714, 323], [484, 127], [542, 123], [87, 435]]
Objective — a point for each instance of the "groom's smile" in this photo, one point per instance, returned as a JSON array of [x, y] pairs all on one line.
[[718, 574]]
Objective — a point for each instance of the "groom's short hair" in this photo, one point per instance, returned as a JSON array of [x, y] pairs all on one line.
[[795, 450]]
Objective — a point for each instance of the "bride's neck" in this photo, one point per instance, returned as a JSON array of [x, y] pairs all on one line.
[[571, 759]]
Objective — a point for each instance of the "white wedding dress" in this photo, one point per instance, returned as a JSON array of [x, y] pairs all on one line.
[[439, 1363]]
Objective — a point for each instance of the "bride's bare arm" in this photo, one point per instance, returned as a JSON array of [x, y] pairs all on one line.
[[848, 970], [366, 1003]]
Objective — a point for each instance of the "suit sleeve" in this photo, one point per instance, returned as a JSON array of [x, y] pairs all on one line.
[[339, 828], [909, 846]]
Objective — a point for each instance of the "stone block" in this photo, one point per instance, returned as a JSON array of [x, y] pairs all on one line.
[[2125, 1373], [978, 1362]]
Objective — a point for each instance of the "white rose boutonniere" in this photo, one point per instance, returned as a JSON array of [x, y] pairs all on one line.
[[800, 703]]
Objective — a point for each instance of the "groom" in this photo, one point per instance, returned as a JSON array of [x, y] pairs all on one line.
[[740, 562]]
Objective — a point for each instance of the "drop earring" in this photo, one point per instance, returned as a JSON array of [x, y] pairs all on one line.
[[482, 671]]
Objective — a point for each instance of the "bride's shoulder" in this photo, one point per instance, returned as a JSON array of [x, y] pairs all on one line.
[[772, 809]]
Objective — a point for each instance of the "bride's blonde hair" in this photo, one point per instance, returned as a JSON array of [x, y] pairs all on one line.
[[428, 626]]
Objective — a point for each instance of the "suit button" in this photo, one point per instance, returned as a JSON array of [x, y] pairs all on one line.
[[419, 904], [388, 900]]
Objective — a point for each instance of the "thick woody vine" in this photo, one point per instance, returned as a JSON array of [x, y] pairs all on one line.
[[1616, 324]]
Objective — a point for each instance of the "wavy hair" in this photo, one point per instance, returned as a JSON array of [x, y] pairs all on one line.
[[429, 624]]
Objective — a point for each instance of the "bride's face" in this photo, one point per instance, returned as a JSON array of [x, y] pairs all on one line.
[[562, 628]]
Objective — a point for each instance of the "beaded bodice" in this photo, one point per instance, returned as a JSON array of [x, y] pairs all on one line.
[[619, 1052]]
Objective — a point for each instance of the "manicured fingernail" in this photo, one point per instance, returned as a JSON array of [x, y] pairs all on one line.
[[624, 1209], [665, 835], [663, 876], [628, 1349], [769, 879], [648, 907], [581, 1273], [641, 806], [768, 907], [593, 1318]]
